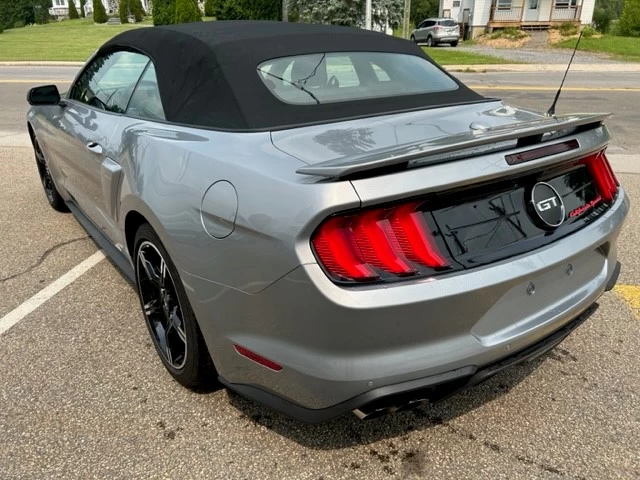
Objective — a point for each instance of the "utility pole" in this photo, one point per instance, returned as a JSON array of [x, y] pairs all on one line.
[[367, 15], [406, 18], [285, 10]]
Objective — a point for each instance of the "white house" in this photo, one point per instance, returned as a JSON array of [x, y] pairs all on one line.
[[60, 8], [480, 16]]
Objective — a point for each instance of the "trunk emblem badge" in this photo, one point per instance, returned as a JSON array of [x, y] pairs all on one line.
[[548, 204]]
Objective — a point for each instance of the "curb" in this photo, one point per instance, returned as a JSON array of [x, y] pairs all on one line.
[[36, 63], [530, 67]]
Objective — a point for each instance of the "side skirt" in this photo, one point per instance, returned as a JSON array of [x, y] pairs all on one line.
[[117, 258]]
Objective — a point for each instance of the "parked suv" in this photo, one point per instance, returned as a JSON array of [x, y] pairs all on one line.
[[433, 31]]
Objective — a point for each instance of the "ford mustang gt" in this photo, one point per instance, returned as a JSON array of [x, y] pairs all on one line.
[[322, 219]]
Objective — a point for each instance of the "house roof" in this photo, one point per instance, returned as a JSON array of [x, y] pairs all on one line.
[[207, 71]]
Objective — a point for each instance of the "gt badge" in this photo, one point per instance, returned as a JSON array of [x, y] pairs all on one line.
[[548, 204]]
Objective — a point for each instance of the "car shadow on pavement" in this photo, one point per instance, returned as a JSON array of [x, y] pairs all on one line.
[[347, 430]]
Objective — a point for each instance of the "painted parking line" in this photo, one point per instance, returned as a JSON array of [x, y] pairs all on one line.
[[631, 295], [24, 309]]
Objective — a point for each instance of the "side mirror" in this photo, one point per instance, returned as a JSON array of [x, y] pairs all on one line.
[[44, 95]]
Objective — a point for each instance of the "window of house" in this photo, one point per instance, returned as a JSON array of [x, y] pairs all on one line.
[[108, 81], [456, 3], [145, 101], [566, 4], [504, 4], [533, 4], [60, 3]]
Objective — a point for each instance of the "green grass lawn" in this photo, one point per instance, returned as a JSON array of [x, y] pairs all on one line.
[[66, 40], [73, 40], [624, 48], [459, 57], [76, 40]]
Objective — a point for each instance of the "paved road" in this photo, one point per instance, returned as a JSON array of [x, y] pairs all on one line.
[[82, 394]]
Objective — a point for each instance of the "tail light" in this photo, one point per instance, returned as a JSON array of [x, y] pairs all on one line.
[[606, 182], [379, 244], [437, 27]]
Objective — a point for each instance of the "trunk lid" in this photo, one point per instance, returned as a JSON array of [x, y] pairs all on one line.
[[322, 143]]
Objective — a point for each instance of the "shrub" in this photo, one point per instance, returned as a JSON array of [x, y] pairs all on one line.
[[123, 11], [83, 13], [630, 20], [212, 8], [567, 29], [73, 11], [510, 33], [164, 12], [187, 11], [136, 10], [18, 24], [99, 13], [249, 9], [589, 31], [602, 19], [1, 29]]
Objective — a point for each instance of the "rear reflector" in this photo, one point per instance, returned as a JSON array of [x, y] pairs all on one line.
[[265, 362], [370, 244], [602, 175]]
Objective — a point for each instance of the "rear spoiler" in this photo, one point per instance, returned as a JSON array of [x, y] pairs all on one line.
[[531, 132]]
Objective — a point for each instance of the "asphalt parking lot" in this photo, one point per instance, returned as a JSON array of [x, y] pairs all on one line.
[[83, 394]]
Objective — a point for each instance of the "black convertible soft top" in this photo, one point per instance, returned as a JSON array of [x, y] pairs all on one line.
[[207, 72]]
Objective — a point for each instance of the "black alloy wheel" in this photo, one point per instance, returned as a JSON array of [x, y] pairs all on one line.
[[168, 314], [53, 196]]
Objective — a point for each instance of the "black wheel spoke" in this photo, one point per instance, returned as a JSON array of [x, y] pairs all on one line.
[[176, 324], [161, 305], [150, 271]]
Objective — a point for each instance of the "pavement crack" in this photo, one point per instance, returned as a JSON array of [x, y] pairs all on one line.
[[42, 258], [499, 449]]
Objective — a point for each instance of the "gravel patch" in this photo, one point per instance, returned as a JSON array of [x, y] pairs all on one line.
[[539, 55]]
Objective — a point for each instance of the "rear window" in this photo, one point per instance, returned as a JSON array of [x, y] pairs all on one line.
[[340, 77], [448, 23]]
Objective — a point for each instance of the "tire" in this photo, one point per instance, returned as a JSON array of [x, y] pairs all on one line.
[[169, 317], [413, 39], [53, 196], [430, 42], [454, 44]]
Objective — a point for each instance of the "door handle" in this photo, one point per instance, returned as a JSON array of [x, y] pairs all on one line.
[[94, 147]]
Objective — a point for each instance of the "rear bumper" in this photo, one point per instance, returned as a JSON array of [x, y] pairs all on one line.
[[447, 38], [392, 398], [340, 344]]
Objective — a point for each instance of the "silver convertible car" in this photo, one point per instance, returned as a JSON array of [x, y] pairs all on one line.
[[322, 219]]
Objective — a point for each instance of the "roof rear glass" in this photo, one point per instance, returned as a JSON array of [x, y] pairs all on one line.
[[344, 76], [448, 23]]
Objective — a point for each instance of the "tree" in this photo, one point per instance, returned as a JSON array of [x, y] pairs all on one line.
[[212, 8], [630, 19], [421, 9], [83, 13], [350, 13], [247, 9], [73, 12], [99, 13], [123, 11], [187, 11], [164, 12], [136, 10]]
